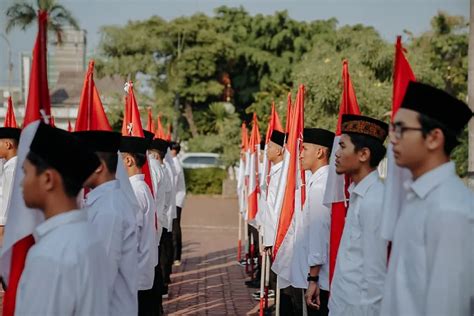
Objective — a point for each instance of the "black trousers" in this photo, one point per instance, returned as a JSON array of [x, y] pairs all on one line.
[[291, 301], [323, 309], [253, 232], [146, 303], [177, 237], [166, 258], [158, 291]]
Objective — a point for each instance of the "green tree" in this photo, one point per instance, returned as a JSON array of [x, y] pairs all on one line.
[[23, 14]]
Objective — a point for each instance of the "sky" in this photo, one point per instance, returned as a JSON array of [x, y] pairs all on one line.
[[389, 17]]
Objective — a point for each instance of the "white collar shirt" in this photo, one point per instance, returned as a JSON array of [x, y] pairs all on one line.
[[113, 215], [271, 215], [147, 249], [357, 285], [66, 270], [7, 181], [431, 268]]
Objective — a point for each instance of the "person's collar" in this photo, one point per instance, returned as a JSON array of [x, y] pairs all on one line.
[[10, 162], [275, 167], [101, 190], [137, 177], [363, 186], [427, 182], [58, 220], [318, 173]]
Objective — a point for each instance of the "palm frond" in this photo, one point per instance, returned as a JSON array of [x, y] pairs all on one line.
[[57, 29], [63, 16], [20, 14]]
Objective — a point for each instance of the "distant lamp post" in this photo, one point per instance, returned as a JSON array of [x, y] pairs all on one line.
[[10, 64]]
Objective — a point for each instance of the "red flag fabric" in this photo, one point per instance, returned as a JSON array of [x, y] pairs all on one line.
[[132, 126], [38, 105], [168, 134], [402, 75], [159, 132], [291, 164], [273, 124], [245, 138], [336, 193], [396, 176], [254, 145], [69, 126], [52, 122], [10, 120], [150, 126], [91, 115]]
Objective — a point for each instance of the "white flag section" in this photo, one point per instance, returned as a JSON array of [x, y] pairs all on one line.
[[21, 220], [265, 170], [394, 195], [290, 264], [252, 191], [241, 188], [335, 183]]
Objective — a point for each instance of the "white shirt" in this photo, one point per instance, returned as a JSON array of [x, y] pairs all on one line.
[[271, 214], [318, 225], [161, 189], [65, 271], [113, 216], [171, 212], [180, 183], [357, 285], [431, 266], [7, 181], [147, 250]]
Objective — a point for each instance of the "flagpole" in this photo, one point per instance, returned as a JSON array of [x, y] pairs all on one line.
[[262, 282], [277, 297]]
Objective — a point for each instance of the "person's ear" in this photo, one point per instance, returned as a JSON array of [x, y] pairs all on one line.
[[8, 144], [364, 155], [435, 139], [48, 180]]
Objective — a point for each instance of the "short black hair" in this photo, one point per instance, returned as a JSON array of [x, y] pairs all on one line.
[[110, 159], [377, 149], [175, 146], [428, 124], [71, 188], [140, 159]]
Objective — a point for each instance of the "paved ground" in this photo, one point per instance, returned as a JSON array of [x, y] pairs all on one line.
[[209, 281]]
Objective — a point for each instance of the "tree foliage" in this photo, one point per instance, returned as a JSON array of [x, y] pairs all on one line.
[[265, 57]]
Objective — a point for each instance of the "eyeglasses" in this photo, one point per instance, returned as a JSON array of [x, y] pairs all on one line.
[[397, 130]]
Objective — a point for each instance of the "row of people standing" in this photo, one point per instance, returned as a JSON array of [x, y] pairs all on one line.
[[429, 270], [100, 248]]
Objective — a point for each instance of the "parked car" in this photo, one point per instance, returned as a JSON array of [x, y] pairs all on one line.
[[200, 160]]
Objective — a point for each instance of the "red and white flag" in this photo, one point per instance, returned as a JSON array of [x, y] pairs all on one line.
[[10, 120], [241, 173], [159, 132], [336, 195], [396, 176], [253, 184], [290, 197], [273, 124], [91, 114]]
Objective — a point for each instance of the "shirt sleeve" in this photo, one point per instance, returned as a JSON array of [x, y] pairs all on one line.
[[7, 188], [374, 248], [271, 217], [319, 225], [449, 239]]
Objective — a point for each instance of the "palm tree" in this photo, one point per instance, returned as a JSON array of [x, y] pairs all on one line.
[[23, 14]]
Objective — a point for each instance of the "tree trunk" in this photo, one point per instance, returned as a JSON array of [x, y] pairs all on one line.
[[188, 114], [470, 92]]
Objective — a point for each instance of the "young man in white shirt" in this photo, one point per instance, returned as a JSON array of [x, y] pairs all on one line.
[[133, 151], [359, 275], [175, 148], [9, 139], [431, 268], [66, 270], [317, 144], [113, 215]]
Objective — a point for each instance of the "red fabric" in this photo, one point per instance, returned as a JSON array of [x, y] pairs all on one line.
[[348, 105], [288, 112], [91, 115], [150, 126], [168, 134], [245, 139], [159, 132], [52, 122], [254, 143], [19, 252], [10, 120], [132, 126], [402, 75], [293, 147], [69, 126], [38, 92]]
